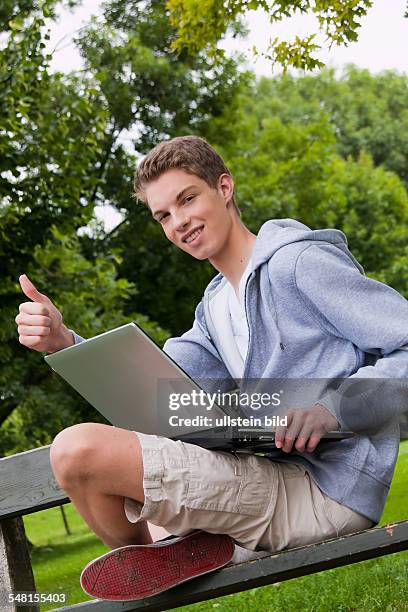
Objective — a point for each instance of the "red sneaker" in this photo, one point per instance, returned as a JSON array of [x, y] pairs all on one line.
[[139, 571]]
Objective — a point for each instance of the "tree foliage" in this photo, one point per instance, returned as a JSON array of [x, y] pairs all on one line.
[[15, 12], [146, 86], [52, 136], [203, 23], [367, 112]]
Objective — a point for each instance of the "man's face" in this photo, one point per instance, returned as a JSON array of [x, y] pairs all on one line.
[[194, 216]]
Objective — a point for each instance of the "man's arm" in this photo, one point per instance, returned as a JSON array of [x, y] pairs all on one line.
[[371, 315]]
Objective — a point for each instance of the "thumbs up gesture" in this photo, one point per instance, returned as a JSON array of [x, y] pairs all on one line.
[[40, 325]]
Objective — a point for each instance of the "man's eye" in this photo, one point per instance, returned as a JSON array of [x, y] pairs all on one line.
[[189, 198], [162, 217]]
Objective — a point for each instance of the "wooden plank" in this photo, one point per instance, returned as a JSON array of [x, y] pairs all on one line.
[[27, 483], [16, 573], [268, 570]]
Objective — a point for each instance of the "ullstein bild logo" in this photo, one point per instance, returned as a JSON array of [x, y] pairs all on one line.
[[227, 421]]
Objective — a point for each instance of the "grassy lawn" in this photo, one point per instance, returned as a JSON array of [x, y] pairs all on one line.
[[379, 584]]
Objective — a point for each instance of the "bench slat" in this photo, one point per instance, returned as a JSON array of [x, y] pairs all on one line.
[[27, 483], [267, 570]]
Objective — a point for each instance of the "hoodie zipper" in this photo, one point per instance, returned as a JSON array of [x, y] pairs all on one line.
[[247, 314], [250, 277]]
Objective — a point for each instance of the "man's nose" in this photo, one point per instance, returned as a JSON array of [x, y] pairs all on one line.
[[181, 221]]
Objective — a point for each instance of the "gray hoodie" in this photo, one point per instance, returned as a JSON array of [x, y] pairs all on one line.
[[313, 314]]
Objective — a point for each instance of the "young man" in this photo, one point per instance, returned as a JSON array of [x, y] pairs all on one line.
[[289, 303]]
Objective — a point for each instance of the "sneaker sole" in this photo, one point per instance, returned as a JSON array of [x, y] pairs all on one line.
[[139, 571]]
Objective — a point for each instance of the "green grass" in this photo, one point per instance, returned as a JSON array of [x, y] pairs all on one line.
[[379, 584]]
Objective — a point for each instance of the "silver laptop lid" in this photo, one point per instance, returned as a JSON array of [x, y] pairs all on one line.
[[128, 378]]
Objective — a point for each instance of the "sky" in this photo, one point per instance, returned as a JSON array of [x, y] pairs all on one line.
[[382, 45]]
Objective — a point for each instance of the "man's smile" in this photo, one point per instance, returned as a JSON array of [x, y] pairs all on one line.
[[192, 235]]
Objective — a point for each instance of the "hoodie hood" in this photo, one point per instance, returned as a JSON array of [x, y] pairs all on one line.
[[277, 233], [272, 236]]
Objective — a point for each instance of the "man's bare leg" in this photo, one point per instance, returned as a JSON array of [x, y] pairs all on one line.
[[98, 465]]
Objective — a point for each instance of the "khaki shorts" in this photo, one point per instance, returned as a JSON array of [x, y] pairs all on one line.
[[261, 504]]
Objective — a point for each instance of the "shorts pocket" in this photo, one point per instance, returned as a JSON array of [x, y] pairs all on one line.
[[230, 483], [214, 482], [259, 486]]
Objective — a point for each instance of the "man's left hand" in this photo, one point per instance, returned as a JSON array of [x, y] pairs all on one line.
[[307, 427]]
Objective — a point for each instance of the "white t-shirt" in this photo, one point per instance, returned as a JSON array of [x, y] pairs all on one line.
[[230, 322]]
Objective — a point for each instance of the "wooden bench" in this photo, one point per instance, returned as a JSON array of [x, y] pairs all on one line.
[[27, 485]]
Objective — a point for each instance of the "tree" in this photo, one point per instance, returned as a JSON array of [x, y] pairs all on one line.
[[202, 23], [367, 112], [144, 83], [37, 128]]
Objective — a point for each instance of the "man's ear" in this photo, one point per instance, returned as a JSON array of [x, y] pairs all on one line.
[[226, 186]]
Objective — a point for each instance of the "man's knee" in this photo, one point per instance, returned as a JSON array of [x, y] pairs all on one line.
[[72, 453]]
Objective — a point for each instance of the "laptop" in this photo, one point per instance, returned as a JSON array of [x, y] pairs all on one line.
[[135, 385]]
